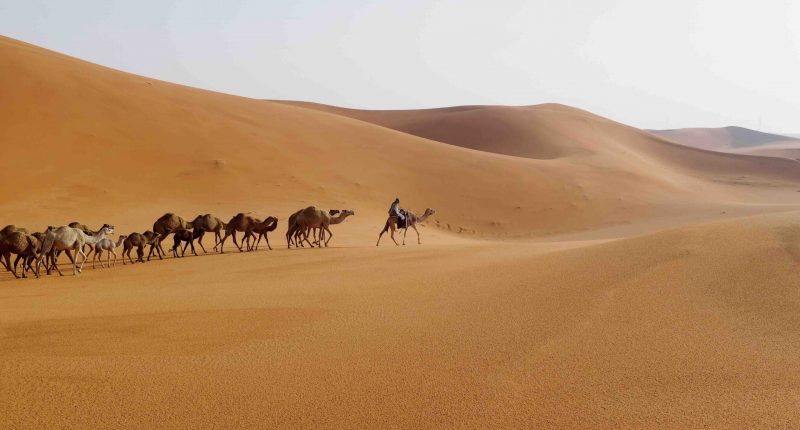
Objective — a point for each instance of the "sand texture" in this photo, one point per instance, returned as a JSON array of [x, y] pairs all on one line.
[[578, 272]]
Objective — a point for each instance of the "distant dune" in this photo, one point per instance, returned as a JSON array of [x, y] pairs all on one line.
[[578, 273], [735, 139]]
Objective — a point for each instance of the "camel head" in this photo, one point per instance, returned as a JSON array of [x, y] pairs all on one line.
[[347, 212], [429, 212], [271, 222]]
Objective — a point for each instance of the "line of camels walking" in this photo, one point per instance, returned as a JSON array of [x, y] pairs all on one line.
[[309, 226]]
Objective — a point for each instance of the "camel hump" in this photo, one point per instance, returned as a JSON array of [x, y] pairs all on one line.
[[311, 210]]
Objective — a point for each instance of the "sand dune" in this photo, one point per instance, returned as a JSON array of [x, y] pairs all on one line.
[[647, 285], [726, 139], [143, 147]]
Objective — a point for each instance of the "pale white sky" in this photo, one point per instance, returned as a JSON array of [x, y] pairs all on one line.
[[648, 63]]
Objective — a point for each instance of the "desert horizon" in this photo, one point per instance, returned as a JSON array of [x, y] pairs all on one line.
[[558, 269]]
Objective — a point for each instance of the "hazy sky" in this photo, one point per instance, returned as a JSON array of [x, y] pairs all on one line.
[[649, 63]]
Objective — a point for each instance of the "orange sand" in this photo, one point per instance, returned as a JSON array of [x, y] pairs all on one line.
[[578, 272]]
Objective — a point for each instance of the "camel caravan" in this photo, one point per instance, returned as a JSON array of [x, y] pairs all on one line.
[[307, 227]]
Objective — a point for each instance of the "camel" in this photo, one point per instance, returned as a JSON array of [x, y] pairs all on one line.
[[168, 223], [22, 244], [260, 228], [107, 245], [411, 221], [39, 236], [85, 229], [183, 236], [150, 236], [311, 218], [207, 223], [294, 233], [138, 241], [69, 238], [240, 222], [12, 228]]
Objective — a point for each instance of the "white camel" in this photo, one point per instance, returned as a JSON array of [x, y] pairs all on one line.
[[107, 245], [65, 239]]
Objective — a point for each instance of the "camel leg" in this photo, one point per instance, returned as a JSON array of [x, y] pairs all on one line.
[[221, 243], [191, 243], [115, 257], [72, 259], [74, 264], [158, 250], [385, 229], [305, 238], [16, 261], [391, 234], [234, 241], [405, 232], [80, 251], [94, 260], [289, 237], [23, 258], [54, 260], [415, 229], [246, 241], [8, 264], [4, 263], [217, 239], [55, 254], [330, 234], [266, 237], [14, 267], [31, 259], [200, 240]]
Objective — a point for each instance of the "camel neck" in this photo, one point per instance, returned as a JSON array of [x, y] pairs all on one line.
[[339, 218]]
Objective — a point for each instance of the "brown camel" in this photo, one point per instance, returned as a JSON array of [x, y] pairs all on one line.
[[12, 228], [138, 241], [207, 223], [240, 222], [411, 221], [168, 223], [21, 244], [311, 218], [294, 234], [260, 228], [183, 236]]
